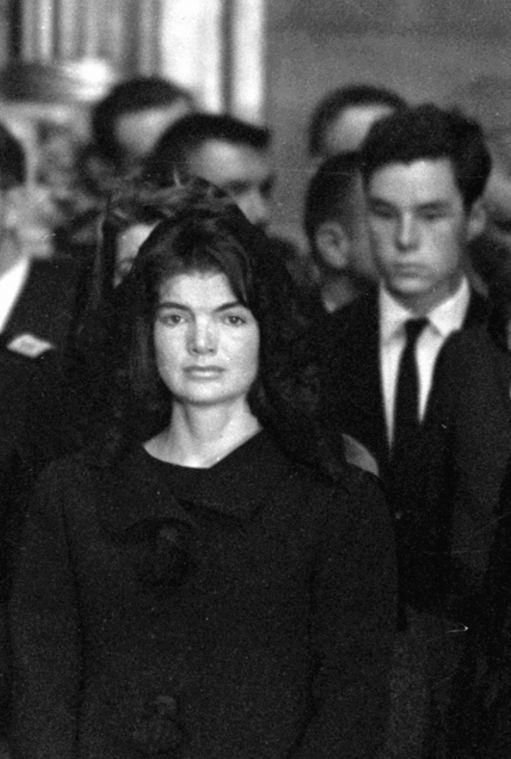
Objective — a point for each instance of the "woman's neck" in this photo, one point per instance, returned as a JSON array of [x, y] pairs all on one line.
[[200, 437]]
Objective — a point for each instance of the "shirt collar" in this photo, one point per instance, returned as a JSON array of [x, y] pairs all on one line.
[[445, 318]]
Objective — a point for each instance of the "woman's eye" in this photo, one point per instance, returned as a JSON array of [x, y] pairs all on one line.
[[235, 320], [171, 319]]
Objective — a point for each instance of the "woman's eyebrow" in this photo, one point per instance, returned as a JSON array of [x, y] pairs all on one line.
[[183, 307]]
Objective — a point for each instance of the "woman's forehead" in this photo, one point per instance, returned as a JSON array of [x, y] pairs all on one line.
[[197, 287]]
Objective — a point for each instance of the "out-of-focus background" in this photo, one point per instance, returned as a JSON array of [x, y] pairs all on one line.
[[268, 61]]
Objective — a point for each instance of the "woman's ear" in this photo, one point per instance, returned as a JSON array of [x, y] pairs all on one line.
[[476, 219], [333, 245]]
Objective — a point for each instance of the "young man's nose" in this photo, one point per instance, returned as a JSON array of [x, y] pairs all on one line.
[[406, 233]]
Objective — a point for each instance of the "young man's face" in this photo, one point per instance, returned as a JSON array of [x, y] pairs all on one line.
[[240, 170], [419, 229]]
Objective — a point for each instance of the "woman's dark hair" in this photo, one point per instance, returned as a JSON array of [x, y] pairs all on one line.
[[207, 232], [133, 201]]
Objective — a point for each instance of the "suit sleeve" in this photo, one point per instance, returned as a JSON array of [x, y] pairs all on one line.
[[45, 632], [354, 604]]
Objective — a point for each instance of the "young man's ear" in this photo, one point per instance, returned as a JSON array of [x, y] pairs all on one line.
[[477, 218], [333, 245]]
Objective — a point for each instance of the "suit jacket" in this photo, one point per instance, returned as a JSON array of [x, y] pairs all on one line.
[[45, 308], [33, 398], [353, 404], [468, 451]]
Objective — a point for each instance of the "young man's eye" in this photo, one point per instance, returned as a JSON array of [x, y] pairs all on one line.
[[381, 212]]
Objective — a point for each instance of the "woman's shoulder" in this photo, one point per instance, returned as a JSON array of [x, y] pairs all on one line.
[[352, 493]]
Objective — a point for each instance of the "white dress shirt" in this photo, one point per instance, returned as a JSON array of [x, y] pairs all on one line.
[[11, 285], [444, 319]]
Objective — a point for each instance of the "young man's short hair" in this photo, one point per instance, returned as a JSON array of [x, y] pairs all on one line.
[[429, 132], [12, 161], [126, 97], [329, 195], [187, 134], [339, 100]]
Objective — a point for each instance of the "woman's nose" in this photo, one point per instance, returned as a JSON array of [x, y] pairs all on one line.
[[202, 338]]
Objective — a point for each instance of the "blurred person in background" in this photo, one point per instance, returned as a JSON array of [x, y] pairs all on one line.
[[342, 119], [232, 154], [207, 580], [125, 126], [37, 307], [487, 98], [335, 221], [128, 122]]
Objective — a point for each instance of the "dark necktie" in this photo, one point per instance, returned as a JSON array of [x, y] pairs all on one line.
[[406, 408], [405, 456]]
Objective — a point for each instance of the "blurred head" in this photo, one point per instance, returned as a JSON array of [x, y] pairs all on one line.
[[127, 123], [336, 223], [230, 153], [132, 211], [341, 121], [12, 161], [13, 203], [424, 171]]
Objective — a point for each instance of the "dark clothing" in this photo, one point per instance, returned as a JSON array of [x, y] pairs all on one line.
[[426, 649], [353, 404], [32, 405], [473, 457], [46, 305], [234, 612], [34, 402], [468, 452]]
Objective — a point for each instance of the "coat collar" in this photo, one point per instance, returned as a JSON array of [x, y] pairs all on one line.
[[144, 489]]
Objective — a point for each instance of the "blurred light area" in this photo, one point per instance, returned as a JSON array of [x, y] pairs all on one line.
[[80, 81], [216, 49], [248, 66], [192, 48]]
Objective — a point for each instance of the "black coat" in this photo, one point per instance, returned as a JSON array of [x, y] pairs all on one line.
[[238, 612]]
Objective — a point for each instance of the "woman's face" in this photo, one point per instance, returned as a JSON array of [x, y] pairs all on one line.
[[206, 342], [128, 243]]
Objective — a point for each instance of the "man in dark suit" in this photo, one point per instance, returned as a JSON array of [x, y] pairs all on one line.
[[424, 171], [36, 313]]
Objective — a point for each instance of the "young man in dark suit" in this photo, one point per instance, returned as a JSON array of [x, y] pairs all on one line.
[[424, 171]]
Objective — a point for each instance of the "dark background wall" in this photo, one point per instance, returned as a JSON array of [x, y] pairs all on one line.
[[424, 49]]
